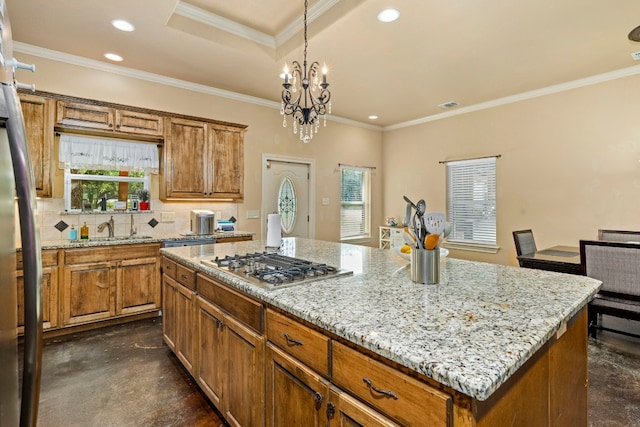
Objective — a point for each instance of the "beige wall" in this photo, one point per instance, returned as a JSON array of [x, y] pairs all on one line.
[[337, 143], [569, 165]]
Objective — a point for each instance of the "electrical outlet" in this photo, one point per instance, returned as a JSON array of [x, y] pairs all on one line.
[[325, 201], [167, 216]]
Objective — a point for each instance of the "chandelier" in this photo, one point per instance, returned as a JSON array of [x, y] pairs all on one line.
[[304, 98]]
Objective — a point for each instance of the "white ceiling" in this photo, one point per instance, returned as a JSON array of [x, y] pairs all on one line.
[[468, 51]]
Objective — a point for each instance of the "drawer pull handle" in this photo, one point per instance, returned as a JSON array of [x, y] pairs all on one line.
[[387, 393], [184, 276], [318, 398], [291, 341]]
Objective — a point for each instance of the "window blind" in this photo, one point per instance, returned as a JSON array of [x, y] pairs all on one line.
[[471, 200], [354, 208]]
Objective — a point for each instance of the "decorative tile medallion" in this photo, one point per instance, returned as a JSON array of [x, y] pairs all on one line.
[[61, 226], [153, 222]]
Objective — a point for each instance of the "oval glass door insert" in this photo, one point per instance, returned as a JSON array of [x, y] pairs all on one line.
[[287, 205]]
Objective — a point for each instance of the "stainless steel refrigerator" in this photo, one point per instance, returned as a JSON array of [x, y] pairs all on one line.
[[19, 385]]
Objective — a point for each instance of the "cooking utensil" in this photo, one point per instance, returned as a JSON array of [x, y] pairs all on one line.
[[421, 207], [417, 230], [406, 199], [435, 222]]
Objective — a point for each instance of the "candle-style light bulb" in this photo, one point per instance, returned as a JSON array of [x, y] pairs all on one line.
[[286, 73], [324, 74]]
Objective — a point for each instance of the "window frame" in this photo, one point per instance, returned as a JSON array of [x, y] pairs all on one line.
[[69, 177], [486, 169], [366, 203]]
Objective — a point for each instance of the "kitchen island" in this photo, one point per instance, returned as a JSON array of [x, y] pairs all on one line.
[[495, 344]]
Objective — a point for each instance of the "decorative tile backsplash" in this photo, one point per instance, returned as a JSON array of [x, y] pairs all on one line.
[[54, 222]]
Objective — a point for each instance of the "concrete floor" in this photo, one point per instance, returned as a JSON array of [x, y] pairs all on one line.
[[125, 376]]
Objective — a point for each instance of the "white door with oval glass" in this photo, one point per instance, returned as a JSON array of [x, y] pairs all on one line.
[[286, 192]]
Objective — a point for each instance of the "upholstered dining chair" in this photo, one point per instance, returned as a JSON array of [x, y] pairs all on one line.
[[525, 243], [619, 235]]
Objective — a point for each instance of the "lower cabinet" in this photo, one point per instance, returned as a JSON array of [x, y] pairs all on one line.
[[49, 290], [296, 395], [230, 368], [343, 411], [100, 283]]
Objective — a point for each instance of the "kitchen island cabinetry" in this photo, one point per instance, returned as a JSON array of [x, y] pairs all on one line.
[[489, 345], [49, 290], [231, 346], [39, 113], [202, 160], [101, 283]]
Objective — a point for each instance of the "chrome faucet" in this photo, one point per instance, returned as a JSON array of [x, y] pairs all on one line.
[[132, 231], [108, 224]]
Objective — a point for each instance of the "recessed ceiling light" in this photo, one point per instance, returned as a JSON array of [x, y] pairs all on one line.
[[388, 15], [113, 57], [373, 117], [449, 104], [123, 25]]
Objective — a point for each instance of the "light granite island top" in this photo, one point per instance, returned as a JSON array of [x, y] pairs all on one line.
[[470, 332]]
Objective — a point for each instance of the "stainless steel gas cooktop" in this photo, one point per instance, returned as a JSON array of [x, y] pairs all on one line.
[[274, 271]]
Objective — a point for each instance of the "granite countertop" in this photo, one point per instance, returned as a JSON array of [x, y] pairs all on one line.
[[138, 239], [470, 332]]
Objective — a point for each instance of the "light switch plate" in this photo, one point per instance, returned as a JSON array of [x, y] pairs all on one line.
[[325, 201], [167, 216], [253, 214]]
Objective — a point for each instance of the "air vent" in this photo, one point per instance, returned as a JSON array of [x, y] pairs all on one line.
[[449, 104], [636, 56]]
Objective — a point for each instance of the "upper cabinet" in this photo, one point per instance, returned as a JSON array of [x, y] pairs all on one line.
[[103, 118], [38, 113], [202, 160]]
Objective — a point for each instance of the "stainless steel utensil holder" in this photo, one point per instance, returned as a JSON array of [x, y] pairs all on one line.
[[425, 266]]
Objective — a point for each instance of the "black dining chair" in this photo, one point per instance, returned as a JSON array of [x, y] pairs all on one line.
[[525, 243]]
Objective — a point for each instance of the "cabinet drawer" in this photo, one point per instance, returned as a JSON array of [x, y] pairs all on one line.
[[49, 259], [110, 253], [170, 268], [399, 396], [244, 309], [186, 277], [303, 343], [85, 115]]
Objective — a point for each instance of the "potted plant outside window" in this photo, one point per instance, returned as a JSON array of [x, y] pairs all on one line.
[[144, 196]]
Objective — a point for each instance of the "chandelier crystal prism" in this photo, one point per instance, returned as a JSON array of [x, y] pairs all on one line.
[[304, 97]]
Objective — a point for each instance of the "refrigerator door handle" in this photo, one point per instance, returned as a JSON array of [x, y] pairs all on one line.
[[31, 255]]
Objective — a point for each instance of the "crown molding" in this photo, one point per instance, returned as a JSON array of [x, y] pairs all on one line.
[[163, 80], [549, 90], [232, 27]]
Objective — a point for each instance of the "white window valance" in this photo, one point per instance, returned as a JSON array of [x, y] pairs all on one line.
[[88, 152]]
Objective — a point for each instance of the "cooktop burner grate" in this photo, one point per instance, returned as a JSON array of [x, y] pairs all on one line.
[[272, 270]]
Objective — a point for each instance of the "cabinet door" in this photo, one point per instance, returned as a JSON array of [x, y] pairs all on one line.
[[185, 327], [138, 286], [84, 115], [244, 384], [139, 123], [88, 292], [228, 162], [49, 298], [295, 395], [186, 160], [345, 411], [38, 115], [169, 295], [211, 354]]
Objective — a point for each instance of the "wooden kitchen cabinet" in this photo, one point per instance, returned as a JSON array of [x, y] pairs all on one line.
[[88, 116], [104, 282], [296, 395], [139, 123], [231, 354], [343, 410], [93, 116], [49, 290], [38, 113], [202, 161]]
